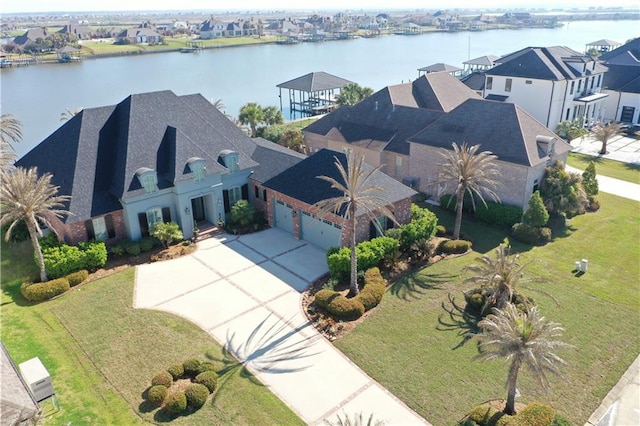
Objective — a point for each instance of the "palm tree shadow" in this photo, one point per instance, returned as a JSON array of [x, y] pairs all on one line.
[[632, 166], [415, 285], [459, 319], [270, 348]]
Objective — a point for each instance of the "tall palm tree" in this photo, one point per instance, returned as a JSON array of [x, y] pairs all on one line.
[[358, 194], [352, 93], [68, 114], [10, 133], [603, 132], [25, 196], [272, 116], [524, 338], [471, 172], [252, 114]]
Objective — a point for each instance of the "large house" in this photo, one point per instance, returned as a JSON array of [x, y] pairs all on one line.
[[553, 84], [138, 35], [402, 127], [158, 157], [622, 83]]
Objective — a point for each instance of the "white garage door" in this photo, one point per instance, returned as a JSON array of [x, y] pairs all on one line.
[[321, 233], [284, 216]]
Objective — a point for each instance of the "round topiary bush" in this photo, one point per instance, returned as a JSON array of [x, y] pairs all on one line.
[[323, 297], [76, 278], [441, 231], [197, 395], [191, 367], [209, 379], [206, 366], [163, 379], [342, 307], [536, 414], [176, 371], [368, 300], [175, 402], [44, 291], [157, 394], [455, 246]]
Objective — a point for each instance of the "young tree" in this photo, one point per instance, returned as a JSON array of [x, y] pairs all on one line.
[[571, 130], [166, 232], [352, 93], [589, 180], [470, 172], [358, 194], [25, 196], [252, 114], [603, 132], [293, 139], [562, 192], [536, 214], [526, 339]]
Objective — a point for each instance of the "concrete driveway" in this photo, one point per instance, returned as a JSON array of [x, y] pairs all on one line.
[[246, 292]]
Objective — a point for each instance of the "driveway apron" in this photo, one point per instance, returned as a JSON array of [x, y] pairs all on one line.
[[246, 292]]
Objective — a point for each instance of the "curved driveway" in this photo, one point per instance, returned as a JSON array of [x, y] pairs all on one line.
[[245, 292]]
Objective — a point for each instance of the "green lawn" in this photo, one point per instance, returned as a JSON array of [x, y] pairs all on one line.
[[604, 167], [102, 353], [414, 343]]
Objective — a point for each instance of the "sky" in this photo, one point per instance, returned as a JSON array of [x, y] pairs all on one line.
[[29, 6]]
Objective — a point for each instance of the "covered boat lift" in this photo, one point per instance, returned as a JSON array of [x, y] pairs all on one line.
[[312, 94]]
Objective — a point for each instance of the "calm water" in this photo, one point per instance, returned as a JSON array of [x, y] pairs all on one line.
[[37, 95]]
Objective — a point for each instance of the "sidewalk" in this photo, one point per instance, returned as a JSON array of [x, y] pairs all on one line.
[[613, 186], [619, 148]]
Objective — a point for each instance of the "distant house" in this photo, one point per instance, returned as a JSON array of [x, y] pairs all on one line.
[[403, 126], [553, 84], [31, 36], [212, 28], [79, 32], [622, 83], [138, 35], [131, 165]]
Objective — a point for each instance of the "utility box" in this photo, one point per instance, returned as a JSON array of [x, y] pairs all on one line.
[[584, 265], [38, 378]]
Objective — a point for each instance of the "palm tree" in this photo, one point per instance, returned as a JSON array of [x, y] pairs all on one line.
[[68, 114], [355, 420], [25, 196], [352, 93], [272, 116], [524, 338], [603, 132], [471, 172], [10, 133], [358, 194], [219, 105], [252, 114]]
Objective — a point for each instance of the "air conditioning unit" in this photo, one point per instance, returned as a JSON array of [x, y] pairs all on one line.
[[38, 378]]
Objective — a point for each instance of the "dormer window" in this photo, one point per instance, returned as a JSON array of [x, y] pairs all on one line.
[[229, 159], [196, 165], [148, 178]]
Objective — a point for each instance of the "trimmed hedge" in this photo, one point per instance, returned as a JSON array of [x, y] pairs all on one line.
[[76, 278], [370, 254], [498, 214], [454, 246], [157, 394], [206, 366], [374, 289], [147, 244], [342, 307], [164, 379], [530, 234], [323, 297], [63, 259], [44, 291], [176, 371], [208, 379], [196, 395], [192, 367], [534, 414], [175, 402]]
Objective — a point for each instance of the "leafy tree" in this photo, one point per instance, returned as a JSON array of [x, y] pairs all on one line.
[[603, 132], [10, 133], [471, 172], [26, 197], [272, 116], [525, 339], [352, 93], [252, 114], [166, 232], [536, 214], [571, 130], [589, 180], [562, 191], [293, 139], [358, 194]]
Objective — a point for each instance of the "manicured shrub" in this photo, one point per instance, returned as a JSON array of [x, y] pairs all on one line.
[[192, 367], [484, 414], [594, 205], [157, 394], [176, 371], [454, 246], [339, 263], [422, 227], [536, 414], [342, 307], [536, 214], [76, 278], [44, 291], [49, 240], [207, 366], [164, 379], [441, 231], [147, 244], [63, 259], [323, 297], [95, 254], [208, 379], [166, 232], [368, 300], [175, 402], [197, 395], [370, 254], [589, 180], [498, 214], [531, 235], [561, 421], [132, 248], [117, 249]]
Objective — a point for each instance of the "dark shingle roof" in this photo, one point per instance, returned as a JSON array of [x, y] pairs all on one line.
[[273, 159], [622, 78], [315, 82], [631, 48], [512, 139], [17, 404], [474, 81], [301, 180]]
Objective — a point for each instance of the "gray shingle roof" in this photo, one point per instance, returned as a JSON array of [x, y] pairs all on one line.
[[315, 82], [273, 159], [16, 401], [474, 81], [512, 139], [439, 67], [622, 78], [322, 163], [632, 48], [487, 60]]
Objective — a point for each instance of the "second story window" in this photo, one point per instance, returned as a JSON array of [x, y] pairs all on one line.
[[573, 86], [579, 85], [489, 84], [507, 85]]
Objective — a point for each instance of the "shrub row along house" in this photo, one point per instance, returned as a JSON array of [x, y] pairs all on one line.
[[158, 157], [404, 126]]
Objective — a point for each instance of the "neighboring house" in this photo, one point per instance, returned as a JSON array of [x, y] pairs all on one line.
[[622, 83], [79, 32], [553, 84], [402, 127], [138, 35], [293, 193], [17, 403], [212, 28], [31, 36]]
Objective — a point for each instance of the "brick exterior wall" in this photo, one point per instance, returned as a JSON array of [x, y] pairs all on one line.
[[75, 232], [257, 202]]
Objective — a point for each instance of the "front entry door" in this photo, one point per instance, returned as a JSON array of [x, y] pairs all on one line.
[[197, 207]]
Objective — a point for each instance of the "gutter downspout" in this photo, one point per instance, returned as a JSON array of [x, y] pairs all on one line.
[[553, 86], [564, 100]]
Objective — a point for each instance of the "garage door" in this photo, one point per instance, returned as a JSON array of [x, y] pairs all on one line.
[[284, 216], [321, 233]]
